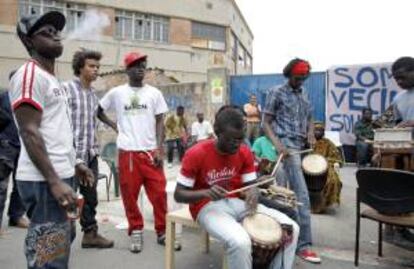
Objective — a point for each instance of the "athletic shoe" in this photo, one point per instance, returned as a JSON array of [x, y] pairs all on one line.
[[137, 241], [309, 256]]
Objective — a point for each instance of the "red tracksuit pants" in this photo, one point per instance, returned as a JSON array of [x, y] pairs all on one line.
[[136, 168]]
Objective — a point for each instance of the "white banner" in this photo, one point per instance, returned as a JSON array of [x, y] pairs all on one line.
[[352, 88]]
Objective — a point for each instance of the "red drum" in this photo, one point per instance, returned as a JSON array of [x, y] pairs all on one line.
[[315, 170]]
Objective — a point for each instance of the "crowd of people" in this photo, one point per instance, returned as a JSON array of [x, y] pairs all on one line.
[[56, 155]]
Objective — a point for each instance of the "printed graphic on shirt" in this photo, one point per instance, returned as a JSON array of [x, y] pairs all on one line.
[[134, 107], [220, 176]]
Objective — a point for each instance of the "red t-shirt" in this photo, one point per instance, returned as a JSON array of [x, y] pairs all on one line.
[[203, 166]]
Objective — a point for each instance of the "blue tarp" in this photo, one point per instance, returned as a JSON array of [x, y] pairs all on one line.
[[242, 86]]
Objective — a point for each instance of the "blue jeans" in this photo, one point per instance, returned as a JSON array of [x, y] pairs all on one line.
[[50, 234], [364, 153], [293, 168], [221, 219]]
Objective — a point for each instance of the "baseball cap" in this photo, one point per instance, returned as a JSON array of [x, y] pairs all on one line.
[[132, 57], [27, 25]]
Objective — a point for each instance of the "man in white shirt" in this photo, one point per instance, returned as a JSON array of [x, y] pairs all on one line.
[[139, 109], [201, 129], [46, 163]]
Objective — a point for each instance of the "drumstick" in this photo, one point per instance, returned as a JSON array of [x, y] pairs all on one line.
[[262, 182]]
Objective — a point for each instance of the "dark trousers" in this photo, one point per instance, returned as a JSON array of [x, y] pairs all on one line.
[[90, 196], [364, 153], [50, 233], [16, 208], [170, 149]]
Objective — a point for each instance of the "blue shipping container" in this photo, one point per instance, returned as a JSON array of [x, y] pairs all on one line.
[[242, 86]]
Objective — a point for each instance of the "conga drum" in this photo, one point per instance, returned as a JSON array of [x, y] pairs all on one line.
[[315, 170], [266, 235]]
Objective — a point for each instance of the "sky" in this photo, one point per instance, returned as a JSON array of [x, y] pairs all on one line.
[[328, 32]]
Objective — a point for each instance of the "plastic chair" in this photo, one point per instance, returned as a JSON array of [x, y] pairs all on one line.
[[109, 155], [389, 195]]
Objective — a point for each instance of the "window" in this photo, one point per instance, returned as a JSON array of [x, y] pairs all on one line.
[[140, 26], [73, 12], [234, 46], [208, 36], [248, 61]]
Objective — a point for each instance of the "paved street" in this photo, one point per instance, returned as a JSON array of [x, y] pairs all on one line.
[[333, 235]]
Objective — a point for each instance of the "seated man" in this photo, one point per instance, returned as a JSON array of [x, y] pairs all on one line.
[[212, 168], [265, 154], [364, 134], [201, 129], [332, 191]]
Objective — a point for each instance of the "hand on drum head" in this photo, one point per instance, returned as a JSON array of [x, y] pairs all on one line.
[[252, 198], [216, 193]]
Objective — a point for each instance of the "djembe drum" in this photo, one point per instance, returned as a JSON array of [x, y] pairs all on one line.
[[315, 170], [267, 237]]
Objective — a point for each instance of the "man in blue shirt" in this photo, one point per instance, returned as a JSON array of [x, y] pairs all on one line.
[[9, 153], [288, 124], [403, 107]]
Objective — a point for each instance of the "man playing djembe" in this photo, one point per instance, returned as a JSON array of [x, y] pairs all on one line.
[[209, 171]]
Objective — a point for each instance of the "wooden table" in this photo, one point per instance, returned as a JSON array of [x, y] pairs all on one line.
[[396, 158]]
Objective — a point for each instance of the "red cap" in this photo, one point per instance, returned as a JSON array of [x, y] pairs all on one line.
[[132, 57], [301, 68]]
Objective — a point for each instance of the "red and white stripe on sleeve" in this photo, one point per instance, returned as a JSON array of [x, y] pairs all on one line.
[[28, 89]]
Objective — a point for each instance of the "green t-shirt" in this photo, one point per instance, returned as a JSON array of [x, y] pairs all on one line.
[[263, 148]]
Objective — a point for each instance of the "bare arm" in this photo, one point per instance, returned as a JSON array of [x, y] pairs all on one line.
[[29, 120], [183, 194], [105, 119], [267, 127], [159, 135]]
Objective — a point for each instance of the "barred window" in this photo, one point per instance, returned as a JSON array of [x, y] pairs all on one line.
[[208, 36], [140, 26], [73, 12]]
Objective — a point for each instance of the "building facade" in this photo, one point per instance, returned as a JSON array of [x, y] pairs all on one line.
[[182, 37]]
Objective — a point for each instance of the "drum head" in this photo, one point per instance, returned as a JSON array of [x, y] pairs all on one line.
[[263, 229], [314, 164]]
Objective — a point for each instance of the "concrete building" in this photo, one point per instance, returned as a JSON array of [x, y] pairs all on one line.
[[182, 37]]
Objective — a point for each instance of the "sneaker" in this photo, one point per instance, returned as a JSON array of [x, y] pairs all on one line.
[[309, 256], [161, 241], [137, 241]]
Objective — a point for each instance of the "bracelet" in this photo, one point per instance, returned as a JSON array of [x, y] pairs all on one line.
[[79, 161]]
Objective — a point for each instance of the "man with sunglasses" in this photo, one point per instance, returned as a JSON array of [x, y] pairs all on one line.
[[46, 166], [288, 124], [139, 109]]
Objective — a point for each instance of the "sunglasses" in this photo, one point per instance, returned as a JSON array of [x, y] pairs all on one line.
[[47, 31]]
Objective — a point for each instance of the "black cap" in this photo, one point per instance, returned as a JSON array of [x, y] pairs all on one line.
[[27, 25]]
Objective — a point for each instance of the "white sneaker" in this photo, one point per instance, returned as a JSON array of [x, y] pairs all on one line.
[[137, 241]]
